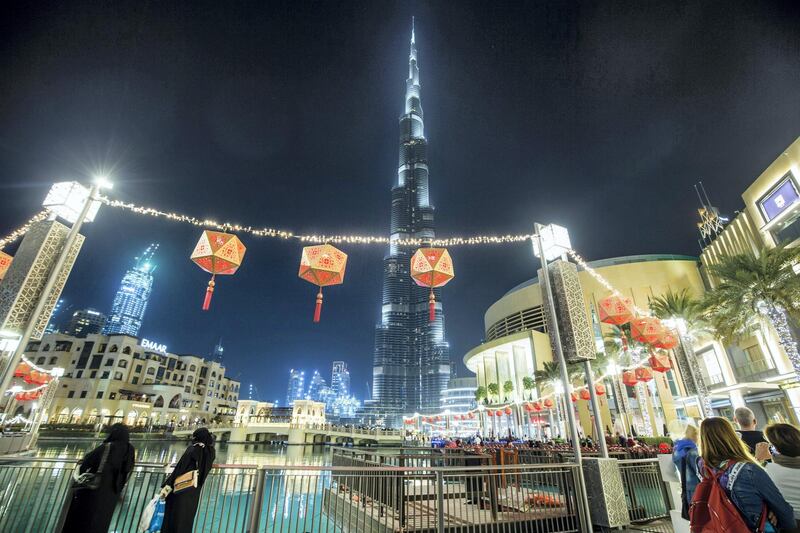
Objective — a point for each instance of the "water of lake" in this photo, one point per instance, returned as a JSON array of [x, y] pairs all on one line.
[[170, 452]]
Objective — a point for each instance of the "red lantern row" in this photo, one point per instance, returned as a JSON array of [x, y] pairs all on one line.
[[28, 396], [37, 378]]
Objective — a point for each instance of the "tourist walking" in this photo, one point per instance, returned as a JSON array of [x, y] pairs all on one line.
[[182, 487], [747, 423], [103, 473], [726, 460], [784, 470], [684, 456]]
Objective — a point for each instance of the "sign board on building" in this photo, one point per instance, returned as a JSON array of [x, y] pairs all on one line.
[[154, 346], [779, 199]]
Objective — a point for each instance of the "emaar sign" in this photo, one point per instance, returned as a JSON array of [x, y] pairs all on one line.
[[156, 347]]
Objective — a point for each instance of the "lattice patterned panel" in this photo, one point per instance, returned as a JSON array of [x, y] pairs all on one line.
[[606, 492], [576, 331], [25, 280]]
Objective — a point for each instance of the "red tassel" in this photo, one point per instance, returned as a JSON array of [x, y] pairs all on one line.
[[209, 294], [432, 307], [318, 307]]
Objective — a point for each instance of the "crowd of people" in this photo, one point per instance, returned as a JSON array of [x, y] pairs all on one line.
[[104, 471], [746, 475]]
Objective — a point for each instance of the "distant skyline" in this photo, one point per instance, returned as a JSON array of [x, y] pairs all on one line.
[[592, 116]]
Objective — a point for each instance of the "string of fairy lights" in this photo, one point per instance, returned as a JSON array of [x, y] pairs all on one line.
[[12, 237], [314, 237]]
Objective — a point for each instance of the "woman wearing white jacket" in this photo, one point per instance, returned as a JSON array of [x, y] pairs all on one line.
[[785, 466]]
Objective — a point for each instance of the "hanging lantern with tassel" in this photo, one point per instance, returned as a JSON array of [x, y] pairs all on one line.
[[667, 341], [599, 389], [660, 362], [629, 378], [5, 264], [585, 394], [616, 310], [217, 253], [322, 265], [432, 267], [646, 329], [644, 374]]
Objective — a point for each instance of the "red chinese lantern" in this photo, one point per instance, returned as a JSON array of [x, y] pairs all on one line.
[[537, 406], [585, 394], [432, 267], [599, 389], [217, 253], [22, 370], [573, 397], [660, 363], [490, 412], [644, 374], [548, 403], [646, 329], [629, 378], [322, 265], [471, 416], [499, 412], [5, 264], [528, 407], [616, 310], [508, 410], [667, 341]]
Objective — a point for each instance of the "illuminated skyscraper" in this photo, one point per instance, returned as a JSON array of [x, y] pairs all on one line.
[[340, 379], [130, 303], [315, 387], [296, 387], [411, 365], [85, 322]]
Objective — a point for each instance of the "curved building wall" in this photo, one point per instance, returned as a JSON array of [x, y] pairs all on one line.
[[640, 277]]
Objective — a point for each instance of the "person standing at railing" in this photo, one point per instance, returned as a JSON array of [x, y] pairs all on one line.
[[103, 473], [182, 487], [685, 456]]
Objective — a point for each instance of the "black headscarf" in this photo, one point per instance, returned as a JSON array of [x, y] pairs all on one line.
[[118, 433], [121, 456], [203, 436]]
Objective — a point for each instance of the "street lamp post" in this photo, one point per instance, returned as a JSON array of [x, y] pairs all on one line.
[[52, 278], [562, 363], [598, 419]]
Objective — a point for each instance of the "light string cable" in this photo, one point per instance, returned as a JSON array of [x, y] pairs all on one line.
[[22, 230], [602, 281], [313, 238]]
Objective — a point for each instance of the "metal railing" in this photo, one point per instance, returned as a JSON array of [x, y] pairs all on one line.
[[645, 491], [312, 499]]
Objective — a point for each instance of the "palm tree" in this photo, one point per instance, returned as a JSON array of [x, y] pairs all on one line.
[[493, 389], [752, 290], [687, 313], [508, 388], [528, 384]]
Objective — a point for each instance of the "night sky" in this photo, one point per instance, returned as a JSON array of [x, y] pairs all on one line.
[[599, 118]]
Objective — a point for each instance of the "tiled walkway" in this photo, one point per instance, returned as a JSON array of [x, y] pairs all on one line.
[[661, 526]]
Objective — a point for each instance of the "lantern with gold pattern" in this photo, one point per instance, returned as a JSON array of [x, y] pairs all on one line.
[[217, 253], [432, 267], [322, 265]]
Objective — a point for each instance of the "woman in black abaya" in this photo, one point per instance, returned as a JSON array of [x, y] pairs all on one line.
[[90, 511], [182, 506]]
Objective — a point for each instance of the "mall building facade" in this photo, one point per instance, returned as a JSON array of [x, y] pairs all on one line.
[[754, 370], [517, 342], [120, 378]]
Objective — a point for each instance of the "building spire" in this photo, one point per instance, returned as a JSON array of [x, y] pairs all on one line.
[[412, 30]]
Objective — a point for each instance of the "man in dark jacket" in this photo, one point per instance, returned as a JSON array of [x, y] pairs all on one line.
[[746, 421]]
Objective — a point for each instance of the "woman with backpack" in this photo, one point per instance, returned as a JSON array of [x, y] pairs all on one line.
[[735, 494]]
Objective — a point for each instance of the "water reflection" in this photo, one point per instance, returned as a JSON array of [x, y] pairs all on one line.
[[170, 452]]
